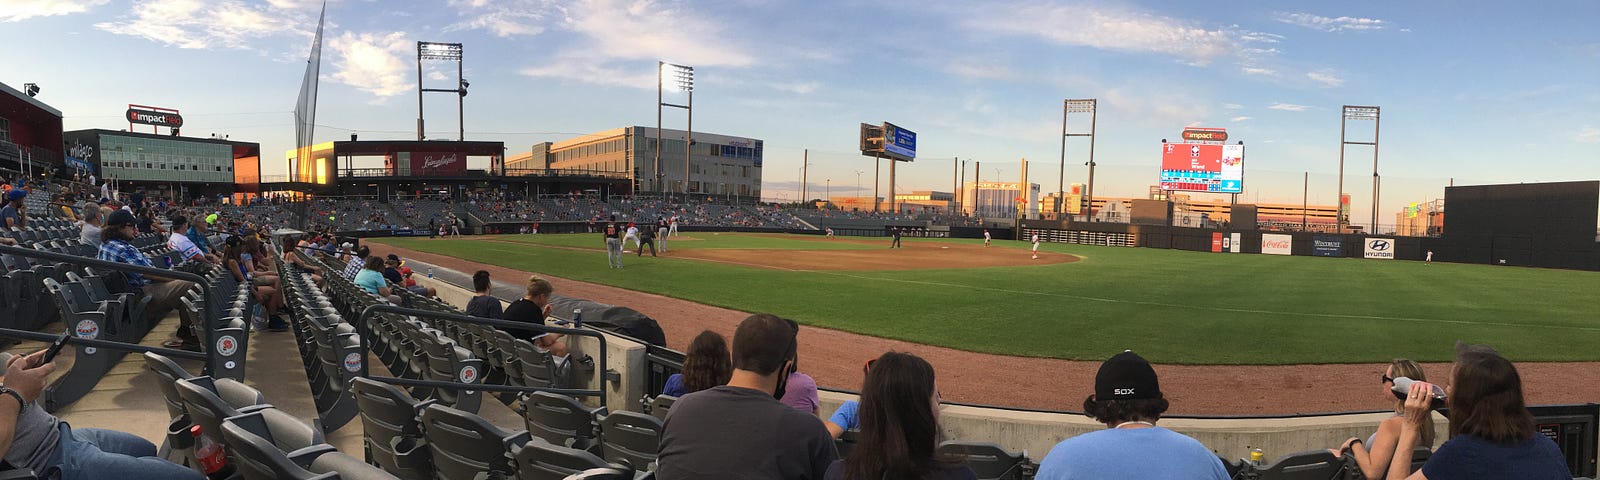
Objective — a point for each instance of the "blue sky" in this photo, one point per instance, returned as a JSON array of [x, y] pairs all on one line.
[[1474, 91]]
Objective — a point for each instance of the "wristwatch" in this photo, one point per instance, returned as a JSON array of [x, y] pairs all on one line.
[[21, 404]]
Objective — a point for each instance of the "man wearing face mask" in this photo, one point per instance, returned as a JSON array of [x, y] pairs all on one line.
[[739, 430]]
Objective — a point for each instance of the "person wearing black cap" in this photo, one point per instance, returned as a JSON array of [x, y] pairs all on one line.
[[185, 247], [165, 293], [1127, 399]]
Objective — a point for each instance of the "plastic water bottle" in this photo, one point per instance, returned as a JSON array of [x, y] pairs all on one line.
[[1258, 457], [430, 273], [577, 317], [210, 454]]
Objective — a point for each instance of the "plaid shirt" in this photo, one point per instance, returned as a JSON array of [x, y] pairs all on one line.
[[121, 251], [354, 267]]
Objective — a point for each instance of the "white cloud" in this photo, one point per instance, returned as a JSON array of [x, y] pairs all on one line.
[[1331, 24], [583, 69], [1232, 106], [1589, 134], [502, 18], [19, 10], [1101, 28], [978, 70], [616, 32], [210, 24], [374, 63], [1288, 107], [1326, 77], [437, 75], [800, 88], [1265, 72], [1239, 119]]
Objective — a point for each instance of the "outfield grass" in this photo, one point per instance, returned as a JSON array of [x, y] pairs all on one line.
[[1171, 306]]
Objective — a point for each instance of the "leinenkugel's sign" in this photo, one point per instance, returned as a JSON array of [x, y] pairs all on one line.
[[1205, 134], [147, 116]]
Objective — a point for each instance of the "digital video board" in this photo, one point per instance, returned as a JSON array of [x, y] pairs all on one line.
[[1200, 167]]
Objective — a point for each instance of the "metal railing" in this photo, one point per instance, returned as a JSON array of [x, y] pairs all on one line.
[[364, 333], [210, 316]]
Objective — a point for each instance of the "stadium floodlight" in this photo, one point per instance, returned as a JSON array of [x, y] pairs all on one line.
[[447, 52], [1358, 112], [1087, 105], [681, 79], [438, 51]]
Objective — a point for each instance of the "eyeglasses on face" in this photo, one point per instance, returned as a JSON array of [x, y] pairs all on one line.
[[1386, 379]]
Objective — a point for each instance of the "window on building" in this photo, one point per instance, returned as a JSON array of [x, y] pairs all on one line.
[[5, 130]]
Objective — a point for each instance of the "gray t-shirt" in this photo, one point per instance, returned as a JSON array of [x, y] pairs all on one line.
[[38, 435], [90, 234], [738, 433]]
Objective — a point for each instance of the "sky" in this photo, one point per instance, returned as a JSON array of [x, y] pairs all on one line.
[[1471, 92]]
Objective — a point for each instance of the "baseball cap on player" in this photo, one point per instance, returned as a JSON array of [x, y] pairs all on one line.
[[1126, 376], [16, 194]]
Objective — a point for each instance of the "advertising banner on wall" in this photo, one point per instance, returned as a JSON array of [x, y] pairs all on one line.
[[1216, 242], [1236, 245], [1379, 248], [1275, 244], [1327, 246]]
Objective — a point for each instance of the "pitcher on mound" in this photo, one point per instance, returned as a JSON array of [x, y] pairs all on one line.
[[1035, 246]]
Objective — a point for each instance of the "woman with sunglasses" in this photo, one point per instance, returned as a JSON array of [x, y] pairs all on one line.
[[1372, 456]]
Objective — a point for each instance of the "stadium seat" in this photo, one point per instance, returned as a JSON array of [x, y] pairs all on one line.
[[1307, 465], [560, 419], [270, 445], [391, 429], [465, 445], [208, 410], [989, 461], [660, 404], [632, 439], [539, 460]]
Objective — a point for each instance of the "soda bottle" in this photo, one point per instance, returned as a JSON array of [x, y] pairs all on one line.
[[577, 317], [1258, 457], [208, 452], [430, 273]]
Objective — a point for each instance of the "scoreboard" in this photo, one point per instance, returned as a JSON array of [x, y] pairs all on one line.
[[1202, 167]]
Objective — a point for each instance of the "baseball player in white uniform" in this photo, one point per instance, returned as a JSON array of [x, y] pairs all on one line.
[[1035, 246], [829, 230], [986, 237], [633, 234]]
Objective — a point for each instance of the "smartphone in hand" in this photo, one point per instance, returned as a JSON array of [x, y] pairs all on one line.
[[55, 347]]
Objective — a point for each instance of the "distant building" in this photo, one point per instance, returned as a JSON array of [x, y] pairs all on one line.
[[177, 167], [719, 165], [999, 199], [30, 131]]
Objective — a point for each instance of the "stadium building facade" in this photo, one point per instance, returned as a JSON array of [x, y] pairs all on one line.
[[718, 164], [999, 199], [30, 132], [170, 166]]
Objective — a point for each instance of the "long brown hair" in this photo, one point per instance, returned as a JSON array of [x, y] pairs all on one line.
[[1486, 398], [898, 427], [707, 363], [1401, 367]]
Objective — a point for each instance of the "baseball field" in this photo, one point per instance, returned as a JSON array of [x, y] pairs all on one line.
[[1078, 302]]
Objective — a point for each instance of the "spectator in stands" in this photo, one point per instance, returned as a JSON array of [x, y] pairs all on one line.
[[1372, 455], [89, 231], [51, 448], [534, 307], [165, 293], [707, 364], [846, 416], [899, 426], [411, 284], [1127, 399], [197, 234], [267, 295], [369, 279], [1492, 434], [801, 390], [357, 260], [14, 214], [391, 270], [739, 430], [180, 242], [293, 260], [483, 304]]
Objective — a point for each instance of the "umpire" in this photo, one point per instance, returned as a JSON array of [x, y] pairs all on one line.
[[647, 236]]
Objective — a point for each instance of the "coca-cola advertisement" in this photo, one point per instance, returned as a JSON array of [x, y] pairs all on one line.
[[427, 163]]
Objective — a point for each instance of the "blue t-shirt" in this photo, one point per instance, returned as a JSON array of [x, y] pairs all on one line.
[[1131, 453], [674, 386], [10, 213], [370, 281], [199, 240], [845, 416], [1469, 457]]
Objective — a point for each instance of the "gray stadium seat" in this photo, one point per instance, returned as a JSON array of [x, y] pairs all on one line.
[[988, 460], [539, 460], [465, 445], [560, 419], [391, 430], [1307, 465], [631, 439]]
